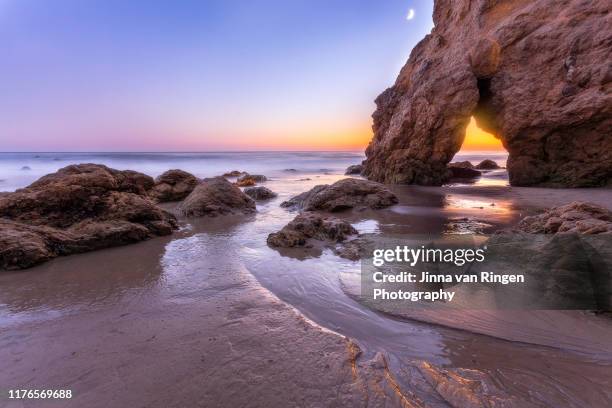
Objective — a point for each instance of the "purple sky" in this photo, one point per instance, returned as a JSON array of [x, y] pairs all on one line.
[[198, 75]]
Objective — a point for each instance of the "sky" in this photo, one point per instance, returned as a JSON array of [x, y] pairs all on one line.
[[116, 75]]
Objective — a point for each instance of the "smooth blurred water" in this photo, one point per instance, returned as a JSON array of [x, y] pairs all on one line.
[[18, 170]]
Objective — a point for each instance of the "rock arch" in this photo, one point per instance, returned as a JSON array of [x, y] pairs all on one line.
[[536, 73]]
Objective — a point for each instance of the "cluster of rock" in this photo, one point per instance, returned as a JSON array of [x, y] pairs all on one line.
[[79, 208], [577, 217], [466, 170], [326, 229], [90, 206], [534, 73], [343, 194]]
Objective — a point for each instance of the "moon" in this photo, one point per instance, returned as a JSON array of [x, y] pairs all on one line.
[[410, 15]]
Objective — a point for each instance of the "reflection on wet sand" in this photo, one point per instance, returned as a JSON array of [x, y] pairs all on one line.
[[191, 301], [82, 281]]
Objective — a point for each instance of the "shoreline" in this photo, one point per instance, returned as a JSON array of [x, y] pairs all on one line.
[[103, 311]]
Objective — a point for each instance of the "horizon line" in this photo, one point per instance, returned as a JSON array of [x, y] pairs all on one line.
[[225, 151]]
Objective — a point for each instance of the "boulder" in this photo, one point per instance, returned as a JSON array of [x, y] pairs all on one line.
[[298, 202], [250, 180], [216, 196], [344, 194], [233, 173], [173, 185], [534, 73], [462, 164], [463, 172], [247, 182], [260, 193], [487, 165], [354, 169], [308, 226], [77, 209], [577, 217]]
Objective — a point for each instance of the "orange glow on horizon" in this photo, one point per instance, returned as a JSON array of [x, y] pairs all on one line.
[[321, 136], [478, 139]]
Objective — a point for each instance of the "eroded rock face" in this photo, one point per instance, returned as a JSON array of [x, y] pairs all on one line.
[[310, 225], [173, 185], [77, 209], [216, 196], [342, 195], [535, 73], [579, 217], [260, 193]]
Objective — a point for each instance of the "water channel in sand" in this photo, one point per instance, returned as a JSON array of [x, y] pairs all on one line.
[[166, 273]]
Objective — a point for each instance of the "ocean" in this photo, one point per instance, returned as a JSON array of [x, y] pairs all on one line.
[[18, 170]]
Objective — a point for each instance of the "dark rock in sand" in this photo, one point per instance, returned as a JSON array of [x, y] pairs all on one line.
[[26, 168], [77, 209], [353, 249], [534, 73], [216, 196], [487, 165], [463, 172], [260, 193], [577, 217], [466, 225], [310, 225], [250, 180], [299, 200], [343, 194], [462, 164], [173, 185], [245, 183], [234, 173], [354, 169]]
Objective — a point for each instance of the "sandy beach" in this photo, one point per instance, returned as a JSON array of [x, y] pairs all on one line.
[[232, 322]]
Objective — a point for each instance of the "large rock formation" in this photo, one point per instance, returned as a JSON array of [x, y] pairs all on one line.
[[79, 208], [536, 73], [216, 196]]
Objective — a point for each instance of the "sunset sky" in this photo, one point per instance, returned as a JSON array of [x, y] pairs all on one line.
[[117, 75]]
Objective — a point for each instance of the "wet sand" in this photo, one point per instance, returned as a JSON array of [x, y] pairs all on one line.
[[217, 339], [213, 317]]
